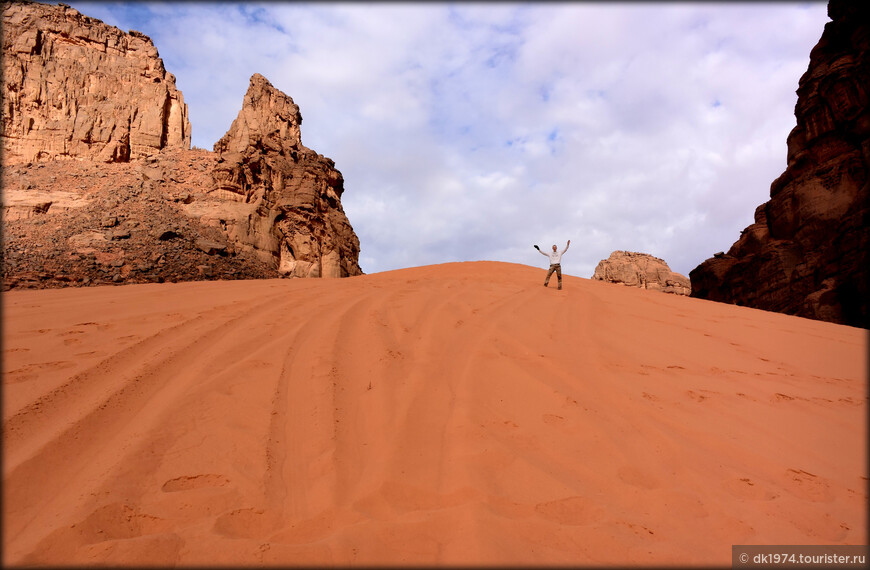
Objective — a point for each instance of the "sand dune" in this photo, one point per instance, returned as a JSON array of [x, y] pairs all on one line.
[[450, 414]]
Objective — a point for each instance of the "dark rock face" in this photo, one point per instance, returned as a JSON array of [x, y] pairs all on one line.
[[806, 253]]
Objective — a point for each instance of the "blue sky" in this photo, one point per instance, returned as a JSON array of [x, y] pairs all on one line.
[[471, 131]]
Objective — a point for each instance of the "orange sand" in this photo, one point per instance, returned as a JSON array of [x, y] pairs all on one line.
[[450, 414]]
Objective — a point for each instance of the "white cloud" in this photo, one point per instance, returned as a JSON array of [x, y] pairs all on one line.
[[472, 131]]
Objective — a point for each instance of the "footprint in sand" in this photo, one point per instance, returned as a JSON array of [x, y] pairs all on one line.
[[698, 397], [746, 488], [636, 478], [689, 505], [306, 531], [637, 528], [99, 326], [849, 401], [19, 376], [247, 523], [823, 528], [71, 332], [504, 507], [91, 353], [570, 511], [31, 371], [553, 419], [187, 482], [37, 331], [807, 485], [116, 521], [260, 364]]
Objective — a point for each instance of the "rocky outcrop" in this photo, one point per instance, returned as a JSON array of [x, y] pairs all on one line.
[[641, 270], [806, 253], [138, 205], [70, 223], [284, 199], [76, 87]]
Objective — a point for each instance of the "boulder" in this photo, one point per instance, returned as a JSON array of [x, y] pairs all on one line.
[[641, 270], [806, 252], [211, 247]]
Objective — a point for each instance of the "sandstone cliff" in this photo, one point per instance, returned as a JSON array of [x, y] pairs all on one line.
[[137, 205], [806, 253], [76, 87], [641, 270], [287, 197]]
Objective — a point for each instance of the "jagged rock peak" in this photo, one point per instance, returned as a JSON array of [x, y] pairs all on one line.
[[76, 87], [291, 194], [269, 120], [641, 270]]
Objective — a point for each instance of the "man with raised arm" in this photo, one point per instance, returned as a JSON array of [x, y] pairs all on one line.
[[555, 263]]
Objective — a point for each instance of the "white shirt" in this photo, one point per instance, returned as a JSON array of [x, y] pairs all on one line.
[[555, 256]]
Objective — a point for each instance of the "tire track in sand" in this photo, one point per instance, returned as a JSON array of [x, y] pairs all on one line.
[[305, 417], [90, 442]]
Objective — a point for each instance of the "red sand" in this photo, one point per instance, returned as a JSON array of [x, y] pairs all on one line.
[[450, 414]]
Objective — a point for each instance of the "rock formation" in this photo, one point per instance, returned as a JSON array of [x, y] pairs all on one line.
[[641, 270], [76, 87], [82, 222], [806, 253], [137, 205], [287, 196]]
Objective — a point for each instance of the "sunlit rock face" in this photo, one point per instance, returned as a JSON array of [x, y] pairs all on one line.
[[100, 185], [74, 87], [288, 197], [641, 270]]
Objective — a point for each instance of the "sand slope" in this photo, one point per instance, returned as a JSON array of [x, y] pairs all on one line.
[[449, 414]]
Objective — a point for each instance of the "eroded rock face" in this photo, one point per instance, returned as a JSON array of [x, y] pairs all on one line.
[[71, 223], [138, 205], [641, 270], [76, 87], [284, 200], [806, 253]]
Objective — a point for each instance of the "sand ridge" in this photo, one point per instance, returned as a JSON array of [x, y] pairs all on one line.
[[448, 414]]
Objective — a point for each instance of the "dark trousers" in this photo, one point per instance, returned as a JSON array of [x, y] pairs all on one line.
[[557, 267]]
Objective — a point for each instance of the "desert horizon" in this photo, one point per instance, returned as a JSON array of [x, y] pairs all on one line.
[[439, 415]]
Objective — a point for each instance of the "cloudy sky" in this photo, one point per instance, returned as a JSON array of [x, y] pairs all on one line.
[[471, 131]]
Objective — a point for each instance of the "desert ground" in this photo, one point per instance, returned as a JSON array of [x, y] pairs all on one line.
[[447, 414]]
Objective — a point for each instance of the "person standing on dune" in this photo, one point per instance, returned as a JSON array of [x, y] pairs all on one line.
[[555, 263]]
